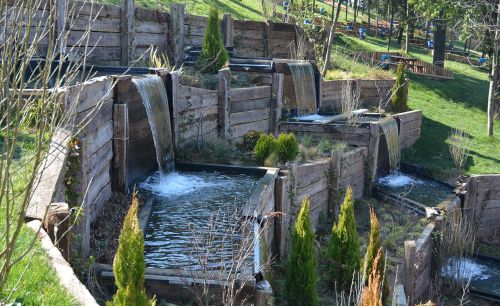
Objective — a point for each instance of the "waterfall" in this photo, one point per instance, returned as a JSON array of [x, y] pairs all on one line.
[[390, 129], [155, 100], [305, 87]]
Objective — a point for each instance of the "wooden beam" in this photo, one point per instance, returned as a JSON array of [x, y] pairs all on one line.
[[61, 17], [227, 30], [176, 31], [120, 147], [174, 79], [223, 102], [127, 31], [276, 102], [409, 270]]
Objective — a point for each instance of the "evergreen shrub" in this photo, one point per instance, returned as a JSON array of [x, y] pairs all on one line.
[[399, 99], [213, 53]]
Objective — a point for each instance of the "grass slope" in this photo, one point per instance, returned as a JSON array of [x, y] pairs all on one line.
[[32, 280], [239, 9], [460, 103]]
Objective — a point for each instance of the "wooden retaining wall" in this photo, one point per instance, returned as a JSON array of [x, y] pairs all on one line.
[[353, 135], [249, 109], [409, 127], [418, 266], [373, 94], [482, 204], [323, 181]]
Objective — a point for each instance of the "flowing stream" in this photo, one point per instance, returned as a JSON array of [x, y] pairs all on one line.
[[155, 100], [305, 86], [390, 129]]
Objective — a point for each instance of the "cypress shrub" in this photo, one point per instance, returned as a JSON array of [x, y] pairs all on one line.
[[301, 272], [343, 247], [264, 147], [375, 249], [287, 147], [129, 265], [213, 53], [399, 99]]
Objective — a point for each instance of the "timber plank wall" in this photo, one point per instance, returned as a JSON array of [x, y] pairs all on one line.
[[482, 204], [373, 93], [323, 182], [122, 34]]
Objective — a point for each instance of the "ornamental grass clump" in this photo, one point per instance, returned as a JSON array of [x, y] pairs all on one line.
[[399, 99], [343, 247], [213, 53], [372, 296], [301, 272], [375, 247], [129, 265]]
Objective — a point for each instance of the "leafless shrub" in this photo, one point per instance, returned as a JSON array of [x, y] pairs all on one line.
[[456, 246], [350, 101], [299, 49], [36, 65], [216, 276], [458, 145]]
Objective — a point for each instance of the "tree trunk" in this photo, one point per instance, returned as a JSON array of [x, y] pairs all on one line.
[[494, 75], [331, 38], [355, 12], [408, 22], [401, 30], [346, 9], [427, 25], [439, 43], [391, 27], [369, 4]]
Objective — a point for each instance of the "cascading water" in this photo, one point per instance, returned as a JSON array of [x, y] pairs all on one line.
[[305, 87], [390, 128], [155, 100]]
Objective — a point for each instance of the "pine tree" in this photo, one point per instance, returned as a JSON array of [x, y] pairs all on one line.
[[213, 53], [301, 273], [371, 295], [343, 246], [399, 99], [129, 265], [375, 246]]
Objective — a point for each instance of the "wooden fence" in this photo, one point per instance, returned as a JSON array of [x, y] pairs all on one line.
[[418, 67], [461, 59]]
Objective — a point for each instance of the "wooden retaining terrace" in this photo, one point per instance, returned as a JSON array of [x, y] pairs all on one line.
[[418, 68]]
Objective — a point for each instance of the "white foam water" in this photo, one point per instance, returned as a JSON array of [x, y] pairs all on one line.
[[312, 117], [175, 184], [465, 269], [397, 180]]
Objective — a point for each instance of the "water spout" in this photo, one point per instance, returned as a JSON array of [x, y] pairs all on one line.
[[390, 129], [305, 86], [155, 100]]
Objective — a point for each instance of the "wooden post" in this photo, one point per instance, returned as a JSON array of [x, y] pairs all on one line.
[[436, 246], [409, 270], [373, 154], [174, 79], [227, 30], [264, 297], [267, 39], [61, 21], [223, 102], [120, 147], [336, 167], [276, 102], [57, 225], [176, 31], [127, 31], [281, 228]]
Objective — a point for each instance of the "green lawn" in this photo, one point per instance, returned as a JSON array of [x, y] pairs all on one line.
[[31, 281], [460, 103], [239, 9]]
